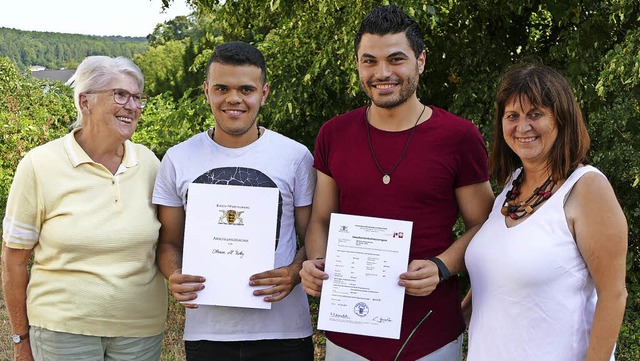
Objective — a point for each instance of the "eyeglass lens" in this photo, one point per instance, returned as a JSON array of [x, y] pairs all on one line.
[[122, 96]]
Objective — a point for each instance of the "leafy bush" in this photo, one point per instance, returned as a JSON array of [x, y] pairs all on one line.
[[32, 112], [629, 340], [166, 122]]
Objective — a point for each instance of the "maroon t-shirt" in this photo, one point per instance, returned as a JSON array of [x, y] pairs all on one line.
[[445, 153]]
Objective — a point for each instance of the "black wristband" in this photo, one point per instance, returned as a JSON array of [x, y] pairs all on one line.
[[443, 271]]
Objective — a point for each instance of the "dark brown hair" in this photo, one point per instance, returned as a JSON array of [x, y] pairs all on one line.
[[545, 87], [239, 53], [390, 19]]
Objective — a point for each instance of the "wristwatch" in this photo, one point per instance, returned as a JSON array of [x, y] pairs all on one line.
[[443, 271], [16, 338]]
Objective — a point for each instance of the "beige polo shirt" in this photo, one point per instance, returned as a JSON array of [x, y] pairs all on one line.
[[94, 236]]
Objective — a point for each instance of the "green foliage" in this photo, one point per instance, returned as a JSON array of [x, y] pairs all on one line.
[[315, 79], [178, 28], [165, 122], [629, 339], [162, 68], [178, 66], [32, 112], [615, 131], [174, 73], [57, 50]]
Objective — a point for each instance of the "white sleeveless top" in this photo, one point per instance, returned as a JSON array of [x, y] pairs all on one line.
[[533, 296]]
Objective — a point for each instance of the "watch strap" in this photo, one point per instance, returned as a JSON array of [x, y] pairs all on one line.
[[443, 271], [17, 338]]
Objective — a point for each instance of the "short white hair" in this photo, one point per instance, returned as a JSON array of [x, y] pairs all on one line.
[[96, 72]]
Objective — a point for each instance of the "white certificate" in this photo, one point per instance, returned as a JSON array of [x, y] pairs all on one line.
[[230, 234], [365, 256]]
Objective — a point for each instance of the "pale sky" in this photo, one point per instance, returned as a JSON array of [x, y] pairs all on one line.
[[89, 17]]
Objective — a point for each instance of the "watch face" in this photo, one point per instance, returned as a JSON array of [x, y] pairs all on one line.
[[15, 338]]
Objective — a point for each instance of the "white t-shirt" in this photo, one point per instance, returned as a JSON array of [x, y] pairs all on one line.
[[533, 296], [271, 161]]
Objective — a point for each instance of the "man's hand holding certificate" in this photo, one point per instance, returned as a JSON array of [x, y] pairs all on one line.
[[364, 258], [230, 234]]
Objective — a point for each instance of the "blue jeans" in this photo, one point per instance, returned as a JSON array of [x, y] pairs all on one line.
[[295, 349]]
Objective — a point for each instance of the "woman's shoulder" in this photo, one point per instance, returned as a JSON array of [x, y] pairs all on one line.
[[140, 148], [590, 188], [590, 179], [587, 177], [54, 148], [143, 153]]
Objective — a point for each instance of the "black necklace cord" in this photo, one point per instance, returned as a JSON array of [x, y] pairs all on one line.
[[404, 150]]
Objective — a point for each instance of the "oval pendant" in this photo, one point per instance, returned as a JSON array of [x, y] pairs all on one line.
[[386, 179]]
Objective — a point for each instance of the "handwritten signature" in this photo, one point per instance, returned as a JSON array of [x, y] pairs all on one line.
[[379, 319], [233, 252], [339, 315]]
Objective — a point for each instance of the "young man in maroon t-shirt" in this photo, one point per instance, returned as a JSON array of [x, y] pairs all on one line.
[[398, 158]]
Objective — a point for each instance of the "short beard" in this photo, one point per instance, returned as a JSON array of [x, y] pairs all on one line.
[[407, 89], [404, 95]]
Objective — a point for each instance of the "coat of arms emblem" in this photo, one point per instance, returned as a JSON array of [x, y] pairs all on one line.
[[231, 217]]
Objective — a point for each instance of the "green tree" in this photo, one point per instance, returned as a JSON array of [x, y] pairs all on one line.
[[162, 68], [57, 50], [178, 28]]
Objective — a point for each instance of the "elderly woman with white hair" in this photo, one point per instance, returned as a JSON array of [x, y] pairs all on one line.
[[81, 205]]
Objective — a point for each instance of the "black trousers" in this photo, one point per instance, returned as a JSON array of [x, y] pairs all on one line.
[[295, 349]]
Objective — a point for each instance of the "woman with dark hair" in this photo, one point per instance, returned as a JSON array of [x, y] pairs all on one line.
[[81, 206], [547, 268]]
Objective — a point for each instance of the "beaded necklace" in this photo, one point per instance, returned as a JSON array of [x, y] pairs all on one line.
[[515, 209]]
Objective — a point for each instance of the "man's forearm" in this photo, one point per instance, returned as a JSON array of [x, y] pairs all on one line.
[[296, 265], [316, 241], [169, 259]]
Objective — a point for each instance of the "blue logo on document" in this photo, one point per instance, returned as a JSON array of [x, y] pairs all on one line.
[[361, 309]]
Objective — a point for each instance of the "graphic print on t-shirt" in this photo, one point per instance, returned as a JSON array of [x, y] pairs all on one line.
[[239, 176]]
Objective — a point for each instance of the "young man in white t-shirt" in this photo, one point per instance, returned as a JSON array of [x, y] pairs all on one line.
[[240, 152]]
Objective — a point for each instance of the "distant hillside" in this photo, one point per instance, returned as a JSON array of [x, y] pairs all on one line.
[[58, 50]]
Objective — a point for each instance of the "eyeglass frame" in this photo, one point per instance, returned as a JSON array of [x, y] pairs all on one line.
[[144, 99]]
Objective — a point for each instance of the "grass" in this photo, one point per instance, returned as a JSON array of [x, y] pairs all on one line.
[[172, 345]]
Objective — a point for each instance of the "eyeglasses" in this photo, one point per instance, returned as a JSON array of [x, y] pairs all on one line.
[[121, 96]]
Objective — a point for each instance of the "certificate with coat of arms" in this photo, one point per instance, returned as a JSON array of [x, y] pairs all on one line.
[[365, 256], [230, 234]]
